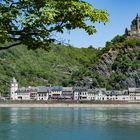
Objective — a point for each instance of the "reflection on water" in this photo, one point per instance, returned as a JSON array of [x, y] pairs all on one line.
[[69, 123]]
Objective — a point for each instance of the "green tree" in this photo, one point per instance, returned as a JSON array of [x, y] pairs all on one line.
[[33, 22], [126, 32], [118, 39]]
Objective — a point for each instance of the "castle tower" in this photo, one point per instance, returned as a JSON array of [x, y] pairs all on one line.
[[135, 27], [13, 88]]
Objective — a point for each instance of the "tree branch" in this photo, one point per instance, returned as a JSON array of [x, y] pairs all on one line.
[[21, 32], [10, 46]]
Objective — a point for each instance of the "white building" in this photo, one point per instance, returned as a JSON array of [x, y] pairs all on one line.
[[134, 94], [67, 93], [137, 91], [112, 95], [56, 92], [124, 96], [43, 93], [29, 93], [100, 94], [75, 94], [80, 93], [13, 89], [91, 94], [116, 95]]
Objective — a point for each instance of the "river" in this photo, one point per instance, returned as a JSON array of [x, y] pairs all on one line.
[[69, 124]]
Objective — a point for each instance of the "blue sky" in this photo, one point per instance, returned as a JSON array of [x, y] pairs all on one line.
[[122, 12]]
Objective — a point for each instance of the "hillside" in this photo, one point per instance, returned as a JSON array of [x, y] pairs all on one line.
[[40, 67], [118, 66]]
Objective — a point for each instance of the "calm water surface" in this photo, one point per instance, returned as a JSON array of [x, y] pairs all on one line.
[[69, 124]]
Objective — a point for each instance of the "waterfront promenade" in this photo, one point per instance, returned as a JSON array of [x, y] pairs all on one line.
[[69, 105]]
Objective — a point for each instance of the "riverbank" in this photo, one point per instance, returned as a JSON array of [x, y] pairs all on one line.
[[61, 105]]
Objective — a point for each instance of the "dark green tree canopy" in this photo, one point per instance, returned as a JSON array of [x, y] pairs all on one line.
[[33, 22]]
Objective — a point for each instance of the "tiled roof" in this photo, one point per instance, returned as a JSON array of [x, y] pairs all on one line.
[[43, 89], [56, 88], [26, 90], [80, 88], [67, 89]]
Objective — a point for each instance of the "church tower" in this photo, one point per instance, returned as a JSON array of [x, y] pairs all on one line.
[[13, 88]]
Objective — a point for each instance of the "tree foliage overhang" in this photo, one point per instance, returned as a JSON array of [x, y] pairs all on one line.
[[33, 22]]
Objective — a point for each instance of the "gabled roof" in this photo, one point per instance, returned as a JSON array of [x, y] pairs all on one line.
[[43, 89], [91, 91], [67, 88], [131, 89], [80, 88], [56, 88], [135, 90]]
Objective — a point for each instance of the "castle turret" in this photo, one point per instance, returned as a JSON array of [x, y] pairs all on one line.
[[13, 89]]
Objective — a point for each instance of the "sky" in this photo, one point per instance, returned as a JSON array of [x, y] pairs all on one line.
[[122, 12]]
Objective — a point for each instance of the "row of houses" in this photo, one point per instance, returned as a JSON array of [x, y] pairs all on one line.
[[71, 93]]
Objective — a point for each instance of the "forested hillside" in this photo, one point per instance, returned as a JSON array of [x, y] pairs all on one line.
[[40, 67]]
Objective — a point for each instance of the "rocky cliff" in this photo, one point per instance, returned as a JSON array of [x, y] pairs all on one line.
[[117, 68]]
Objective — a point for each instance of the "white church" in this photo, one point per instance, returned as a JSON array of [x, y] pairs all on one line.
[[13, 89]]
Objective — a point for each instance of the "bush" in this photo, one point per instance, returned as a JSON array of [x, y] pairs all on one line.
[[132, 42]]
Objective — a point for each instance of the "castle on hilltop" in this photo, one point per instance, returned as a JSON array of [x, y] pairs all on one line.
[[135, 27]]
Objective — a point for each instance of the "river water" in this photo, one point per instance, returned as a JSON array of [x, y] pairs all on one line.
[[69, 124]]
